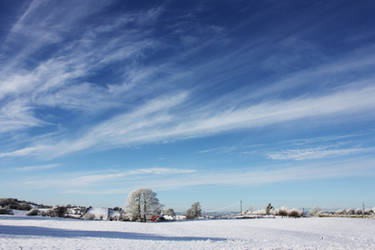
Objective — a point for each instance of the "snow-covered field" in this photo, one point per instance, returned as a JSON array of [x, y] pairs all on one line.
[[20, 232]]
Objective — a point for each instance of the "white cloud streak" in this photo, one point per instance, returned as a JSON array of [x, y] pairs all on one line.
[[37, 167], [239, 177], [152, 111], [56, 81], [16, 116], [21, 152], [160, 171], [92, 179], [364, 168], [157, 121], [314, 153]]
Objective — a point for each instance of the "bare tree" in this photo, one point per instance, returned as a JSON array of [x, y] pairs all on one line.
[[316, 211], [269, 208], [194, 212], [142, 204]]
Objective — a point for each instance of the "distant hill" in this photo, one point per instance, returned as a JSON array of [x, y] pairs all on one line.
[[12, 203]]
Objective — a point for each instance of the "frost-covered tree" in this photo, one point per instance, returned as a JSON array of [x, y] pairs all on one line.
[[315, 211], [368, 211], [340, 212], [142, 204], [283, 211], [194, 212], [294, 212], [358, 211], [350, 211]]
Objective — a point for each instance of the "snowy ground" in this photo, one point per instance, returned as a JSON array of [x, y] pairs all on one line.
[[20, 232]]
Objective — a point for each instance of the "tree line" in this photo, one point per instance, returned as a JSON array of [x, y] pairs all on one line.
[[143, 205]]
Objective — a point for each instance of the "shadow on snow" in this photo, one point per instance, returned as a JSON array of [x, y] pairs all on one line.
[[17, 217], [65, 233]]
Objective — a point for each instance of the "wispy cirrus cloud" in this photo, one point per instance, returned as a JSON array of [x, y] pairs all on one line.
[[315, 153], [160, 171], [67, 79], [21, 152], [240, 177], [156, 120], [37, 167], [93, 179], [56, 80], [258, 177], [223, 149], [16, 116], [59, 80]]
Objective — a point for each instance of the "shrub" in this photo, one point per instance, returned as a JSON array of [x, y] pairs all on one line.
[[295, 213], [315, 211], [33, 212], [15, 204], [24, 206], [6, 211], [350, 211], [194, 212], [340, 212], [368, 211], [283, 211], [58, 211], [7, 201], [358, 211], [45, 206], [47, 213]]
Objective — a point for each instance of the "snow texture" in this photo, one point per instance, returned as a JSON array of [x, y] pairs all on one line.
[[21, 232]]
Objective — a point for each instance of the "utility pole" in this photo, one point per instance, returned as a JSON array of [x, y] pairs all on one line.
[[363, 209], [241, 206]]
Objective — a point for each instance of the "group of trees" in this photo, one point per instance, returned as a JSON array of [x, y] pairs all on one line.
[[194, 212], [142, 205], [270, 210], [10, 203], [316, 211]]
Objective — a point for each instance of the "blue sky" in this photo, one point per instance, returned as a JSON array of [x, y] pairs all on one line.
[[210, 101]]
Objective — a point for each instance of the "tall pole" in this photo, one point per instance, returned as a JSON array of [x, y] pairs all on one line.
[[241, 206], [363, 209]]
